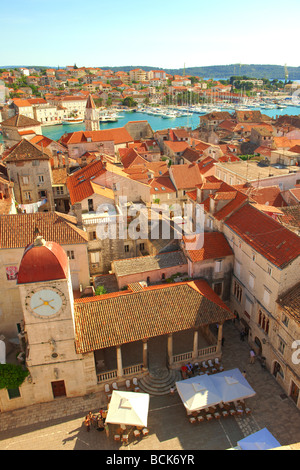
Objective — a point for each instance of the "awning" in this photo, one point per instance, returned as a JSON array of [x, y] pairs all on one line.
[[128, 408], [198, 392], [260, 440]]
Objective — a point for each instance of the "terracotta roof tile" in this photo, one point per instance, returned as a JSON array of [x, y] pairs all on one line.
[[214, 246], [264, 234], [125, 317], [20, 121], [79, 184], [19, 230], [117, 135], [185, 176], [24, 151]]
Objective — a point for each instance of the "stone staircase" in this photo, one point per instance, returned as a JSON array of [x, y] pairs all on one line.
[[159, 381]]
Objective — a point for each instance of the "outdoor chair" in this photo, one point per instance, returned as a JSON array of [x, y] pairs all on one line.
[[247, 411], [200, 418], [124, 438], [115, 386], [210, 363], [225, 414], [232, 411], [128, 384], [204, 365], [135, 384], [117, 437], [209, 417], [136, 433], [107, 391], [217, 415], [145, 432], [192, 420]]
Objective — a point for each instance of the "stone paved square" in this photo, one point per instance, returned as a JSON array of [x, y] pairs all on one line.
[[59, 425]]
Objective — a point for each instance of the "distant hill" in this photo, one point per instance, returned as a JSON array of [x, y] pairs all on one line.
[[225, 71], [212, 71]]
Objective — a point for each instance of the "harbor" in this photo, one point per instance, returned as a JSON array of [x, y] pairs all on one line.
[[162, 117]]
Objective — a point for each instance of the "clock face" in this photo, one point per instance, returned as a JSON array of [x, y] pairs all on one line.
[[46, 302]]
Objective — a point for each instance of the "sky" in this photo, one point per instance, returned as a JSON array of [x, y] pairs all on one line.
[[155, 33]]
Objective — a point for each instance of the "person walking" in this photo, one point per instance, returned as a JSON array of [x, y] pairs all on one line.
[[252, 356], [87, 423]]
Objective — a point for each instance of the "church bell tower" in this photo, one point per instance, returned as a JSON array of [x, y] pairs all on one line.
[[91, 118]]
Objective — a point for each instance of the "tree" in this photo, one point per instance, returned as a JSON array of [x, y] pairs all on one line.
[[12, 376], [129, 102], [100, 290]]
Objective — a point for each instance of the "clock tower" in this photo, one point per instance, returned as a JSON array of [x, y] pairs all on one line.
[[48, 307]]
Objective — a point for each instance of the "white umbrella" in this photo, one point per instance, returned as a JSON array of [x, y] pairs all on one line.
[[129, 408], [198, 392], [260, 440], [232, 385]]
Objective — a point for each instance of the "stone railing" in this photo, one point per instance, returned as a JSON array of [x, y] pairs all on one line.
[[113, 374], [182, 357], [106, 376], [204, 353]]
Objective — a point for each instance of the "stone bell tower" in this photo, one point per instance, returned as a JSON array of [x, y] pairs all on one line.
[[91, 118]]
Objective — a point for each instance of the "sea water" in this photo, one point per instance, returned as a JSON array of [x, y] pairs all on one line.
[[156, 122]]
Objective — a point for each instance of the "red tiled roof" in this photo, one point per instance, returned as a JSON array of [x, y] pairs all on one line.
[[264, 234], [43, 262], [206, 165], [214, 246], [186, 176], [79, 184], [265, 195], [19, 230], [124, 317], [233, 205], [296, 193], [131, 157], [163, 185], [176, 146], [118, 136]]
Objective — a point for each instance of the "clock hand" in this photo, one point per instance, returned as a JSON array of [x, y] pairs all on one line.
[[38, 306]]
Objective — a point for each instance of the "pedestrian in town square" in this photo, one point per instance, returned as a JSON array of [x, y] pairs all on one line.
[[190, 369], [252, 356], [87, 423]]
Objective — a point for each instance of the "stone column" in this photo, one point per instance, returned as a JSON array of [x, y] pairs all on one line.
[[170, 349], [220, 336], [145, 354], [195, 345], [119, 362]]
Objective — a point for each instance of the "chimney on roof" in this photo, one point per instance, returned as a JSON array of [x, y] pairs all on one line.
[[67, 163], [55, 160], [60, 160]]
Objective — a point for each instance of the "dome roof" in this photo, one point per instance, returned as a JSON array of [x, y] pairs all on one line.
[[43, 261]]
